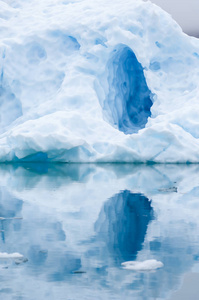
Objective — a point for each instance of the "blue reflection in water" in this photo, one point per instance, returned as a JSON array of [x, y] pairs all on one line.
[[122, 224], [40, 239], [10, 207], [69, 228]]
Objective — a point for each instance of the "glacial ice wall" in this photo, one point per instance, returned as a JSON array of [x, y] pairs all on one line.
[[96, 81]]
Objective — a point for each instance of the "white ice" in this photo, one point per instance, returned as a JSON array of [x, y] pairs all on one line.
[[147, 265], [96, 81], [4, 255]]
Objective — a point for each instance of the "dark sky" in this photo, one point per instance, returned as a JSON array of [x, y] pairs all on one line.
[[185, 12]]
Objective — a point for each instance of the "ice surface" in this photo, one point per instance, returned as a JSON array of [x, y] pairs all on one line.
[[147, 265], [96, 81]]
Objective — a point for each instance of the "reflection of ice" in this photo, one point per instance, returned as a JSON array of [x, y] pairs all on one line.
[[78, 223], [122, 224], [38, 238]]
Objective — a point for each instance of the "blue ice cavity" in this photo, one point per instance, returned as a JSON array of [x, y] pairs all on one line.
[[36, 157], [129, 101]]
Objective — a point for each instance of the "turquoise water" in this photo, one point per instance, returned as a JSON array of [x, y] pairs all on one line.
[[75, 225]]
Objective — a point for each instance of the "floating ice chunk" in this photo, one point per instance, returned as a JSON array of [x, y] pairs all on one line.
[[147, 265], [4, 255]]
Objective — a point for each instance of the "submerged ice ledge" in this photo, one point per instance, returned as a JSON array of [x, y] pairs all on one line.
[[101, 82]]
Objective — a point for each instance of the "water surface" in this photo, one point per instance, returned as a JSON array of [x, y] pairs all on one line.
[[75, 225]]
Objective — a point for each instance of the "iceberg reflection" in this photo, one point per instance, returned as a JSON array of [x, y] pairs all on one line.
[[76, 224], [122, 224]]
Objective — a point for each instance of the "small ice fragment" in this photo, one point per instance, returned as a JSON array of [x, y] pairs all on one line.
[[19, 261], [4, 255], [147, 265], [169, 190]]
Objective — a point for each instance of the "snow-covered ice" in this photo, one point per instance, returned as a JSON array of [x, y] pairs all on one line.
[[147, 265], [96, 81]]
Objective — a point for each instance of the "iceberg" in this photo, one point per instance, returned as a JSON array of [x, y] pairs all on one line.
[[96, 81]]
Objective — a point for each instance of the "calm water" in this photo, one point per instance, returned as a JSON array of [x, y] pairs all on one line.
[[76, 224]]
